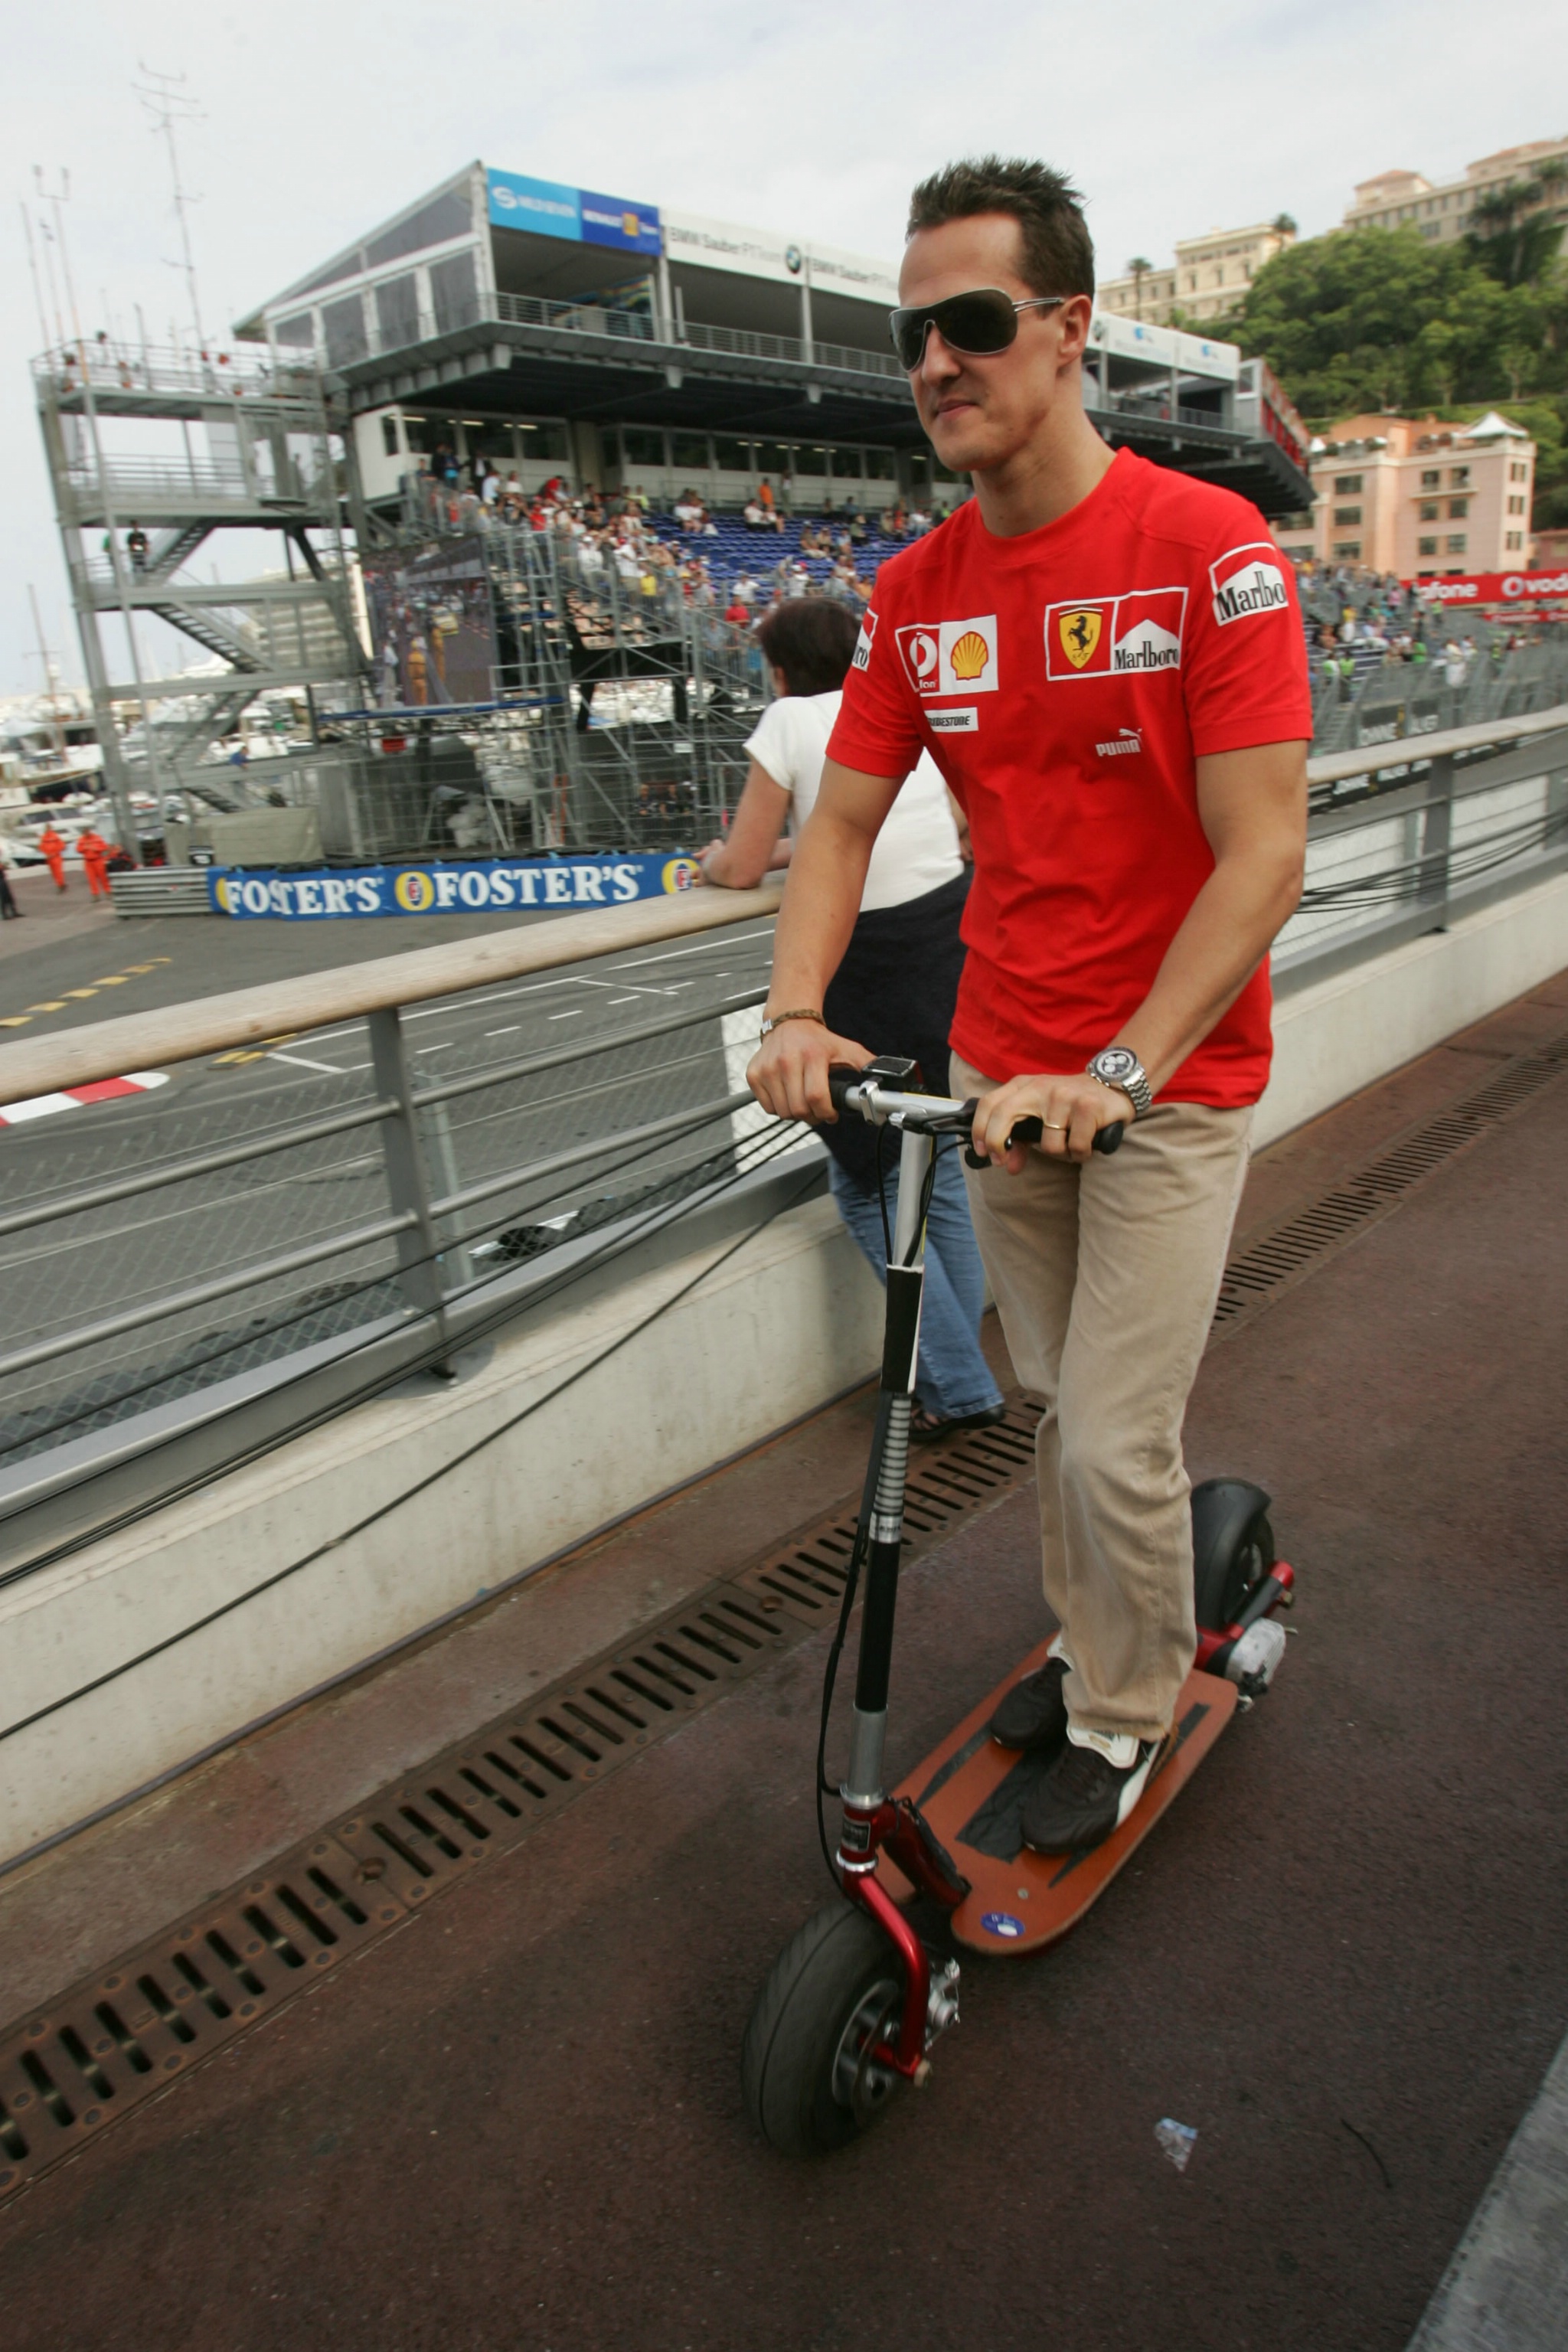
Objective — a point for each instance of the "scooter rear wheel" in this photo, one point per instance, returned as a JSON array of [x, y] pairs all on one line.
[[836, 1988]]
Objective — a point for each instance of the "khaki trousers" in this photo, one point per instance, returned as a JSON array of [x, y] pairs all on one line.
[[1106, 1276]]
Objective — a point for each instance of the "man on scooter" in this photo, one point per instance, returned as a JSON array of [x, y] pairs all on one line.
[[1106, 659]]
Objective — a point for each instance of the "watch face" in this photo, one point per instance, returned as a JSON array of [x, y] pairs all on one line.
[[1114, 1064]]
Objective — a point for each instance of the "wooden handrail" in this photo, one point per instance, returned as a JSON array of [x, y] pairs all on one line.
[[247, 1016]]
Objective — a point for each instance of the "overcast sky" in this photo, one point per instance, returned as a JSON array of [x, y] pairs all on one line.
[[811, 116]]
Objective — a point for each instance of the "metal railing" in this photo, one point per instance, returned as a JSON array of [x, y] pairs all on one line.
[[640, 327], [397, 1145], [377, 1164]]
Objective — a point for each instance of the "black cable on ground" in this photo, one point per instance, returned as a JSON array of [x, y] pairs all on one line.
[[395, 1502]]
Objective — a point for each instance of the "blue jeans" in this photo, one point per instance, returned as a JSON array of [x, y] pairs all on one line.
[[952, 1377]]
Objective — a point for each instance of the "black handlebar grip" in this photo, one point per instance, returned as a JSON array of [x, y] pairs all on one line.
[[1030, 1130], [840, 1078]]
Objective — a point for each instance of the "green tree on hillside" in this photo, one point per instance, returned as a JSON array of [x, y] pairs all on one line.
[[1516, 231], [1378, 319]]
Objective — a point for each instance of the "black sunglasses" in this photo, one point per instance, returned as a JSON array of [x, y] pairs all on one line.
[[978, 324]]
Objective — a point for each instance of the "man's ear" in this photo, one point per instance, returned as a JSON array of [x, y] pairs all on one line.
[[1076, 317]]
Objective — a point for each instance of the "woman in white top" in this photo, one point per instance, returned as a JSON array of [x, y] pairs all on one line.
[[897, 985]]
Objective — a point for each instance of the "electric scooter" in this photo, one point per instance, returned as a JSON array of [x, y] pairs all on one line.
[[855, 2001]]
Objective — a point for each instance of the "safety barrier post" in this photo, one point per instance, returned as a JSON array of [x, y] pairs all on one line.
[[418, 1244], [1436, 839]]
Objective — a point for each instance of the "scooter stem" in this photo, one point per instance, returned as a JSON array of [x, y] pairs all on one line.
[[869, 1722]]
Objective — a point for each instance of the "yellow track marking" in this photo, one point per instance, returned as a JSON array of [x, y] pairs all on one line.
[[54, 1004], [13, 1020], [82, 992]]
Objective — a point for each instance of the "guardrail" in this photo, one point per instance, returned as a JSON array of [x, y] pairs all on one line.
[[371, 1189], [371, 1173]]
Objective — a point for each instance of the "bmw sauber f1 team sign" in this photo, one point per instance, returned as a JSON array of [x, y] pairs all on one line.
[[494, 886]]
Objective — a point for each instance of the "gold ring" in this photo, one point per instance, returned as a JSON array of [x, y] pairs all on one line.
[[1054, 1126]]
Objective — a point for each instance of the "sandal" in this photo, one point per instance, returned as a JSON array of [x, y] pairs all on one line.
[[926, 1428]]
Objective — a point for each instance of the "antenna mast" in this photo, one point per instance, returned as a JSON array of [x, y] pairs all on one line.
[[167, 103]]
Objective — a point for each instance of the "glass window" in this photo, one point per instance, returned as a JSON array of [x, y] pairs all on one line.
[[1347, 485], [398, 311], [1347, 551], [644, 445], [689, 450], [342, 323], [811, 457], [1458, 477], [454, 292], [1430, 510], [1458, 543], [549, 442], [773, 457], [296, 334], [1426, 547], [845, 464], [1516, 505], [389, 435], [1459, 508], [1516, 539], [733, 456], [449, 216], [1432, 479], [881, 466], [1346, 515]]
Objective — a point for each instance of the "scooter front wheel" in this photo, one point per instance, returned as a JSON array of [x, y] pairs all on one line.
[[837, 1989]]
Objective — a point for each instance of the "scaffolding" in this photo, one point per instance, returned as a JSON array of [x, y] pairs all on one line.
[[151, 454], [530, 698]]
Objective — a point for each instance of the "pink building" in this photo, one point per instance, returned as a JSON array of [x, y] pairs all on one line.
[[1418, 498]]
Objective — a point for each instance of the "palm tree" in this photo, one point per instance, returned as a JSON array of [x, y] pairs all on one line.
[[1283, 224], [1138, 270]]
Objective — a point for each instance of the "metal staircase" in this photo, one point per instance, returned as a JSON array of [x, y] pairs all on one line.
[[261, 455]]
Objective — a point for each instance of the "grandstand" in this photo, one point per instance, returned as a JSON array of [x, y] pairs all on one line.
[[548, 329]]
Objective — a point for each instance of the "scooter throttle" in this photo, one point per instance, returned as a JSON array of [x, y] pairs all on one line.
[[1029, 1130]]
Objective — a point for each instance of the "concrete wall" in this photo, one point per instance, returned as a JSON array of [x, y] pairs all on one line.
[[1346, 1033], [792, 1319]]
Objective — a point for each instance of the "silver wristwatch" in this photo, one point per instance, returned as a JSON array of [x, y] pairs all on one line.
[[1118, 1065]]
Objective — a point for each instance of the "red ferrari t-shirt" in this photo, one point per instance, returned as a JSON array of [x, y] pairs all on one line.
[[1065, 682]]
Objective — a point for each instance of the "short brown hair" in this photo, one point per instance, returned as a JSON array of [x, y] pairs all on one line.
[[812, 640], [1058, 250]]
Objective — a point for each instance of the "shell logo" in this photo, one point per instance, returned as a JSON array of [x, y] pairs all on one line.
[[413, 892], [970, 656], [681, 874], [220, 892]]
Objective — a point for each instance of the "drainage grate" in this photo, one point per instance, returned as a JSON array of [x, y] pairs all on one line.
[[1255, 1277], [120, 2038]]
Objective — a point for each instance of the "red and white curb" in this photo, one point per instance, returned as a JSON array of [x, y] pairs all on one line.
[[137, 1082]]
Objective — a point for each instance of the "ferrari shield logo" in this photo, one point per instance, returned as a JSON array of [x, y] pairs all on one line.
[[1079, 631]]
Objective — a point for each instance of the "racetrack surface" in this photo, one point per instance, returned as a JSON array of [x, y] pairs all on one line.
[[1342, 1958]]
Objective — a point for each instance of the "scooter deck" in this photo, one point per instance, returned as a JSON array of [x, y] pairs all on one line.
[[971, 1792]]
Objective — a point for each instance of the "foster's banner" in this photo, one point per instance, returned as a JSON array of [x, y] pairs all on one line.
[[496, 886]]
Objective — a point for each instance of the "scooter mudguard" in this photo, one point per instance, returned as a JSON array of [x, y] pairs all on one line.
[[971, 1792]]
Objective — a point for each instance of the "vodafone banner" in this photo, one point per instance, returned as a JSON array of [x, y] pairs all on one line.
[[1495, 587]]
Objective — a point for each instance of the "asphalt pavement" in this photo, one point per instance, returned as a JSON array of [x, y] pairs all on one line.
[[1341, 1960]]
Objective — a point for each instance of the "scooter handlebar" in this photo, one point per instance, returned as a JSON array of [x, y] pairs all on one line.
[[1029, 1130], [935, 1113]]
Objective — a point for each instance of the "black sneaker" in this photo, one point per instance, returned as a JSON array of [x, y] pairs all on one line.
[[1089, 1791], [1033, 1714]]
